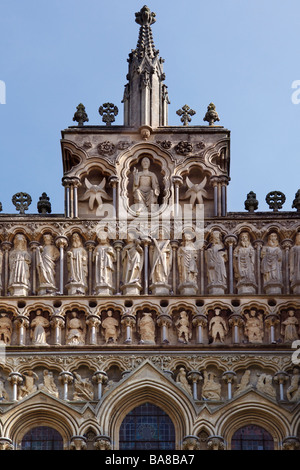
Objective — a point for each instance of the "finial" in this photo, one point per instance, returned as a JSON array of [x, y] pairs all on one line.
[[251, 203], [44, 204], [275, 200], [211, 115], [185, 112], [80, 115], [145, 17], [22, 201], [108, 111], [296, 201]]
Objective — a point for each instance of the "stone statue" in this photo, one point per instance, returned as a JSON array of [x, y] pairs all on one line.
[[160, 261], [244, 265], [216, 257], [264, 385], [293, 391], [5, 329], [244, 383], [95, 193], [104, 257], [46, 257], [3, 392], [254, 326], [39, 326], [187, 256], [49, 385], [146, 328], [294, 262], [29, 386], [76, 330], [145, 187], [211, 389], [132, 261], [182, 324], [19, 265], [83, 389], [290, 327], [271, 265], [77, 266], [218, 327], [111, 328], [182, 380]]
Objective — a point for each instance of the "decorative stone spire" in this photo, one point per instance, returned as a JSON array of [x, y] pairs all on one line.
[[145, 96]]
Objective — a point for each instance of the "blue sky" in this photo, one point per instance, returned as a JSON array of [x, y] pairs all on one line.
[[243, 55]]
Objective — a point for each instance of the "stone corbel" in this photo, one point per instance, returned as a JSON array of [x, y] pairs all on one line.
[[78, 443], [216, 443], [6, 444], [190, 443], [102, 443]]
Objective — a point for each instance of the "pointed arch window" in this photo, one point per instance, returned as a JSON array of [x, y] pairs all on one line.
[[252, 437], [42, 438], [147, 427]]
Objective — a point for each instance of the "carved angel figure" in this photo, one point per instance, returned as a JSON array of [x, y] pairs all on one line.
[[95, 193]]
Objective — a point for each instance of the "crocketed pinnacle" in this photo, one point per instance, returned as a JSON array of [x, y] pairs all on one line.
[[145, 45]]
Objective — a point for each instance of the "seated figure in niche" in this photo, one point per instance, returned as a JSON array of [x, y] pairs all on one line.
[[75, 330], [254, 327], [5, 329], [290, 327], [111, 328], [145, 187]]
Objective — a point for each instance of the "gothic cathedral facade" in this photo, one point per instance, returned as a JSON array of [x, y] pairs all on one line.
[[148, 316]]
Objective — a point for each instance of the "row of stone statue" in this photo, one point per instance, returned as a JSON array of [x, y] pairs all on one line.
[[251, 327], [126, 267], [211, 390]]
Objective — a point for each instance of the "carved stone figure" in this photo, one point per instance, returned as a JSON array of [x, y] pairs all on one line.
[[29, 386], [290, 327], [77, 266], [160, 261], [46, 257], [187, 256], [244, 383], [182, 324], [49, 385], [295, 265], [216, 257], [293, 391], [271, 265], [254, 326], [83, 389], [39, 326], [19, 265], [5, 329], [104, 257], [196, 192], [211, 389], [264, 385], [218, 327], [244, 265], [182, 380], [146, 328], [75, 330], [145, 187], [132, 261], [111, 328], [3, 393]]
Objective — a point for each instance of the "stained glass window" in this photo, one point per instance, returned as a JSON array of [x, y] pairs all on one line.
[[252, 438], [147, 427], [42, 438]]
